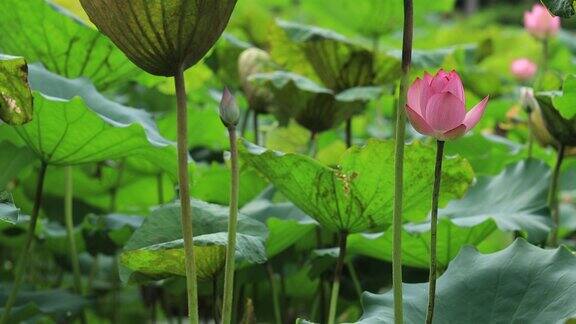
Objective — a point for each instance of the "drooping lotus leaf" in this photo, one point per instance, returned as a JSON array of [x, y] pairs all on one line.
[[74, 124], [16, 105], [311, 105], [562, 130], [160, 36], [339, 62], [12, 160], [44, 32], [562, 8], [521, 284], [358, 194], [156, 250], [514, 200]]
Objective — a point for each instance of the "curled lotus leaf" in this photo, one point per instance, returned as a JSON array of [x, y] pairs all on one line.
[[159, 36]]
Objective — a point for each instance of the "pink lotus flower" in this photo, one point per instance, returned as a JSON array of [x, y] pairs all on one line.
[[436, 106], [540, 23], [523, 69]]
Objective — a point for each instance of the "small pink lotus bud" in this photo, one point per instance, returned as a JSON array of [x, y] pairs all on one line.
[[523, 69], [540, 23], [229, 112], [436, 106]]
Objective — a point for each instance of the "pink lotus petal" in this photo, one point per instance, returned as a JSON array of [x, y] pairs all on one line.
[[428, 78], [454, 133], [455, 86], [419, 124], [414, 95], [444, 112], [440, 81], [473, 116]]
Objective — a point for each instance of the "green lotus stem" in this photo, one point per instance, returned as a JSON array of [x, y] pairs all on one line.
[[342, 239], [232, 224], [184, 190], [274, 291], [69, 220], [399, 163], [434, 231], [553, 196], [543, 64], [349, 132], [256, 128], [114, 190], [355, 279], [22, 261]]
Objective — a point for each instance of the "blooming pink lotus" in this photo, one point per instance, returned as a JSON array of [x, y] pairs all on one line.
[[436, 106], [540, 23], [523, 69]]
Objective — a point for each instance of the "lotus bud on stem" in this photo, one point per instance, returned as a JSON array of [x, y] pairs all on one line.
[[230, 115]]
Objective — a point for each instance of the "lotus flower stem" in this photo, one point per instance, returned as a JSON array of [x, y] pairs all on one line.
[[399, 162], [184, 189], [256, 128], [69, 220], [274, 291], [434, 231], [553, 196], [22, 261], [349, 132], [232, 222], [543, 64], [342, 239]]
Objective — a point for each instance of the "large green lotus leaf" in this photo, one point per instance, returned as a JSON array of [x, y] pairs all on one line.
[[310, 104], [13, 160], [58, 304], [562, 8], [562, 129], [516, 199], [65, 45], [212, 183], [286, 223], [161, 36], [337, 61], [160, 236], [452, 236], [16, 104], [486, 153], [521, 284], [566, 103], [74, 124], [358, 194], [371, 18]]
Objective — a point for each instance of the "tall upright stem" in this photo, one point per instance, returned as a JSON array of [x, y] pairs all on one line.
[[232, 222], [184, 189], [256, 128], [342, 238], [434, 231], [160, 188], [349, 132], [399, 162], [553, 196], [274, 292], [69, 220], [22, 262], [543, 64]]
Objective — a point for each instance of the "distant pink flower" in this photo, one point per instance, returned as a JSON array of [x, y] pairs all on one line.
[[523, 69], [436, 106], [540, 23]]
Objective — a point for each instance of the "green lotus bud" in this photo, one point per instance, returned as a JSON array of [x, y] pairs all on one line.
[[253, 61], [562, 130], [15, 95], [229, 112], [161, 36]]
